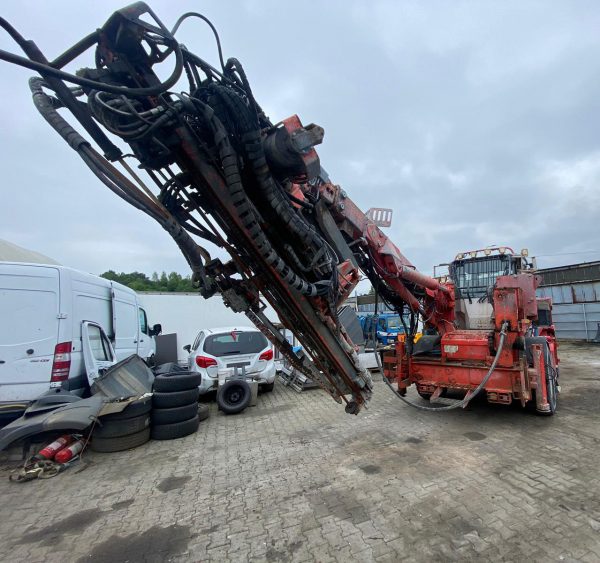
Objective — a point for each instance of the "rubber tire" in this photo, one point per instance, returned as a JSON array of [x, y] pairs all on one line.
[[136, 408], [169, 367], [553, 396], [106, 445], [203, 412], [267, 387], [175, 399], [177, 414], [118, 428], [548, 360], [224, 398], [175, 430], [177, 382], [425, 396]]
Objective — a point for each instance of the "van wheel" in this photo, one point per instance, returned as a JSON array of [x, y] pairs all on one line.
[[118, 428], [175, 430], [267, 387], [177, 382], [175, 399], [121, 443], [177, 414], [234, 396]]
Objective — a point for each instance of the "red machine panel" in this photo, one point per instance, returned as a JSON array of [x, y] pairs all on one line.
[[465, 345]]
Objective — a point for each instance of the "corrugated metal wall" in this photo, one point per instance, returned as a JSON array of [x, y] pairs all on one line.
[[572, 293], [578, 321], [575, 309]]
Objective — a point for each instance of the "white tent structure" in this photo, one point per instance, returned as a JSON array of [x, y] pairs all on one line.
[[10, 252]]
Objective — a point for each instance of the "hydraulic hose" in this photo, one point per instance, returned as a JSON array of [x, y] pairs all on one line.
[[47, 70], [238, 113], [114, 180], [464, 401], [245, 208]]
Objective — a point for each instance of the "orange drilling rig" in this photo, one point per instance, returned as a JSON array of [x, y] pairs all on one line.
[[223, 172]]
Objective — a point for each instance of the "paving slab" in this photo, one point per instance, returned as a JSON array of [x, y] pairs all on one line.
[[297, 479]]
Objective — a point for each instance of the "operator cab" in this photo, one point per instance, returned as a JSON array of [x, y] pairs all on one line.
[[474, 274]]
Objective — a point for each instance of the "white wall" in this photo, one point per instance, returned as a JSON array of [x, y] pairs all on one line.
[[187, 313]]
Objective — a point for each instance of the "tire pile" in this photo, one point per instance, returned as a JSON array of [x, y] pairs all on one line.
[[175, 409], [171, 412], [123, 430]]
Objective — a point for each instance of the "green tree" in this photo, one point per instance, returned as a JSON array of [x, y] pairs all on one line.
[[138, 281]]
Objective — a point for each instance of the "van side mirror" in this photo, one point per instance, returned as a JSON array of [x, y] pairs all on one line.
[[156, 330], [187, 348]]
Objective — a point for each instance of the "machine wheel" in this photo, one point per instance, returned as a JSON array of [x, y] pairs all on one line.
[[124, 427], [177, 414], [202, 412], [175, 430], [169, 383], [551, 382], [234, 396], [121, 443], [175, 399], [267, 387]]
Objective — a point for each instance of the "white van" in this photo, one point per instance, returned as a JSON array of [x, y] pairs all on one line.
[[42, 311]]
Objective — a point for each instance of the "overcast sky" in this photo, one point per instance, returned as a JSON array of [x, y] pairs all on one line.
[[478, 123]]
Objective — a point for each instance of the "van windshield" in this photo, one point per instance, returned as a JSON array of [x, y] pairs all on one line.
[[233, 343]]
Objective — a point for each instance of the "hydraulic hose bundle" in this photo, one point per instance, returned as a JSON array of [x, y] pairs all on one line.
[[206, 152]]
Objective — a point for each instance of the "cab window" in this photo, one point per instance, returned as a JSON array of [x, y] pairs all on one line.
[[143, 321]]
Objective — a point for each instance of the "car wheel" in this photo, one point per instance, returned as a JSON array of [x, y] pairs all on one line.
[[133, 409], [177, 382], [118, 428], [267, 387], [121, 443], [177, 414], [234, 396], [175, 430], [175, 399], [203, 412]]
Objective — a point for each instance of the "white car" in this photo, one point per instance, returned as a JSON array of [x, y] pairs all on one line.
[[230, 349]]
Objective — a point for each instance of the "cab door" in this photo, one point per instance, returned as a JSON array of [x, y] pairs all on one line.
[[98, 353]]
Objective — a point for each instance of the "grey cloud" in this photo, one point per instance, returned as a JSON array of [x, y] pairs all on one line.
[[476, 122]]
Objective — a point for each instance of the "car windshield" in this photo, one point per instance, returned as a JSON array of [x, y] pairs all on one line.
[[393, 322], [233, 343]]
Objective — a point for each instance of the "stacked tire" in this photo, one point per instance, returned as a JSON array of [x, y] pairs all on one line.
[[175, 409], [123, 430]]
